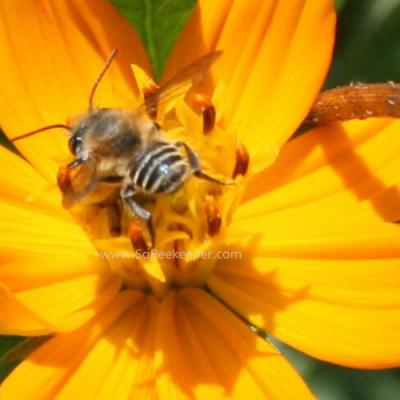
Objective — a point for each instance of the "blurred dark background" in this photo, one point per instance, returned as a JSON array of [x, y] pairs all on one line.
[[367, 50], [368, 42]]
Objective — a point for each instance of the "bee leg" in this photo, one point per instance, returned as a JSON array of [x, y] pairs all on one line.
[[111, 179], [195, 166], [76, 163], [127, 194]]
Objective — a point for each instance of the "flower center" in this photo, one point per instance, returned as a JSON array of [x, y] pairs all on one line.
[[180, 246]]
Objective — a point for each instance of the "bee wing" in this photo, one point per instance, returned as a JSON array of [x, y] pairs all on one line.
[[181, 83], [82, 183]]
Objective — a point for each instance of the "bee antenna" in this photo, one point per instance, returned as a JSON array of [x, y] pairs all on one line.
[[46, 128], [96, 83]]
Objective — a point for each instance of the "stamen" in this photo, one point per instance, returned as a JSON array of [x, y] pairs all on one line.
[[242, 160], [209, 113], [213, 216], [114, 220], [136, 235], [149, 89], [63, 178]]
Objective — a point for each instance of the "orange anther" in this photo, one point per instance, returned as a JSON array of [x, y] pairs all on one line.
[[63, 179], [114, 220], [149, 89], [242, 160], [213, 216], [135, 233], [209, 113]]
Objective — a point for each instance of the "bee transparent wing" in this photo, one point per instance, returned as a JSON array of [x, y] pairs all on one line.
[[181, 83], [82, 183]]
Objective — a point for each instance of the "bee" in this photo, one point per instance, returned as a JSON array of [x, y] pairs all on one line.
[[127, 150], [357, 101]]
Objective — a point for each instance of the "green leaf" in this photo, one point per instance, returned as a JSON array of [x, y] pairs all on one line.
[[339, 4], [6, 143], [367, 48], [23, 349], [158, 23], [6, 343]]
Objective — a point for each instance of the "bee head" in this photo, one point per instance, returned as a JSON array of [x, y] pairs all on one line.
[[82, 130]]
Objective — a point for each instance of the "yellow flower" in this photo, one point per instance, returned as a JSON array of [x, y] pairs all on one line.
[[314, 235]]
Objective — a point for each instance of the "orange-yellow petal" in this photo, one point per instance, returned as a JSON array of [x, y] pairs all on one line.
[[32, 215], [22, 185], [276, 55], [109, 357], [332, 293], [333, 175], [50, 272], [52, 269], [51, 56], [26, 229], [17, 319], [207, 352], [64, 290]]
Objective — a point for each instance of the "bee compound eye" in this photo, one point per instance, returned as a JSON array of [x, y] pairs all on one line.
[[74, 144]]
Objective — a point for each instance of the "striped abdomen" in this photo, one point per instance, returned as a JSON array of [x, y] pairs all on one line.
[[358, 101], [159, 169]]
